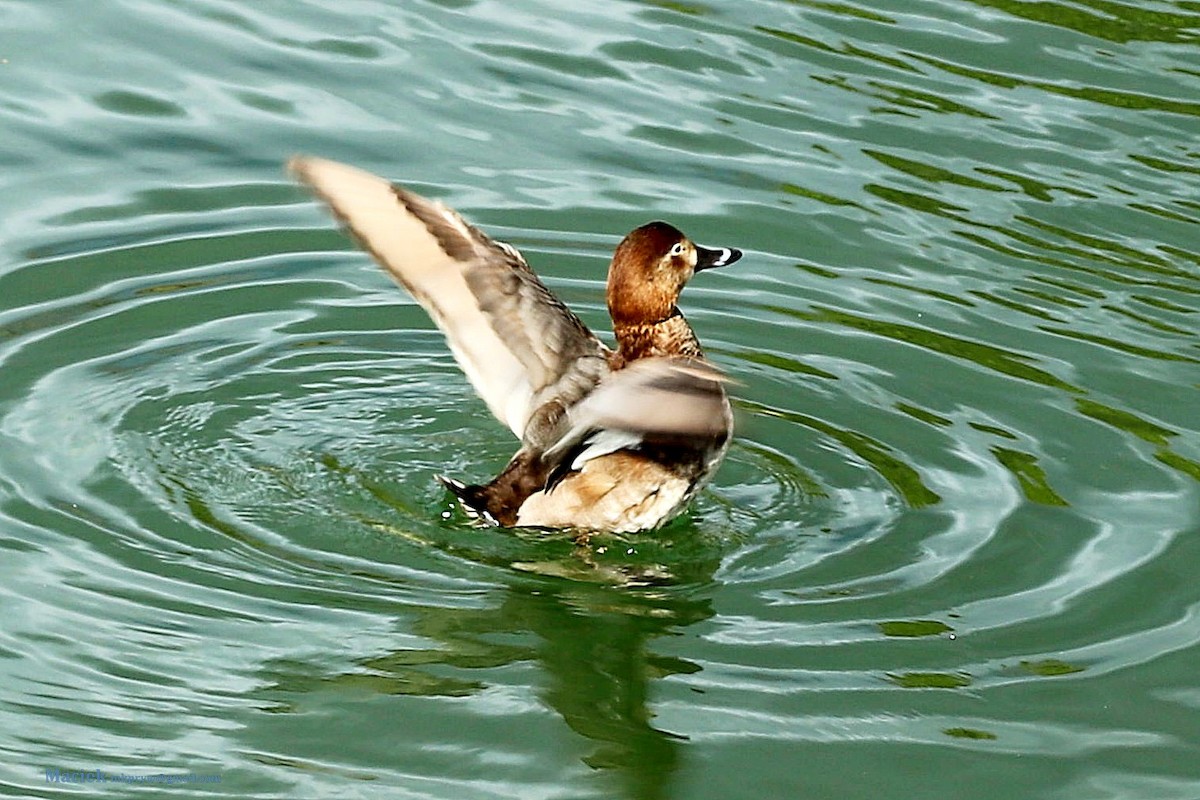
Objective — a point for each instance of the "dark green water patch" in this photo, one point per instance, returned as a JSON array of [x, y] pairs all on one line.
[[785, 363], [924, 415], [914, 628], [1013, 305], [1165, 165], [1050, 668], [1164, 213], [845, 10], [346, 48], [1150, 322], [1181, 463], [1030, 476], [993, 430], [1115, 22], [1164, 305], [930, 680], [1049, 297], [820, 197], [930, 173], [138, 104], [969, 733], [267, 103], [1037, 189], [915, 201], [1115, 344], [1125, 421]]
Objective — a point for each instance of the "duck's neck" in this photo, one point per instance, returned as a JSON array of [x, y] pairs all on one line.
[[671, 336]]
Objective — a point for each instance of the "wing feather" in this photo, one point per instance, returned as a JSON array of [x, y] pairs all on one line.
[[662, 399], [514, 340]]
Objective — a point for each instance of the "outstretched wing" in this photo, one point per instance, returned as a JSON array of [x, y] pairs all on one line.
[[652, 400], [517, 344]]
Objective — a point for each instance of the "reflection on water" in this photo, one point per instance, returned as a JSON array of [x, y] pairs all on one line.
[[591, 644], [957, 532]]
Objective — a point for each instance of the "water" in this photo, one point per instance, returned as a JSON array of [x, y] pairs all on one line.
[[954, 550]]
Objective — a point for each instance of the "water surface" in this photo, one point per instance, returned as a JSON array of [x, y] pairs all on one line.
[[953, 550]]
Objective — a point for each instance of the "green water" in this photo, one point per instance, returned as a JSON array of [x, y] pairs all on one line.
[[954, 553]]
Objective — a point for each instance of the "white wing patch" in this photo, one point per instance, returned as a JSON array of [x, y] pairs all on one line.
[[677, 398]]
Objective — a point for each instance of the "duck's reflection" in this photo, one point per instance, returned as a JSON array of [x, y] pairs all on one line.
[[592, 641], [594, 648]]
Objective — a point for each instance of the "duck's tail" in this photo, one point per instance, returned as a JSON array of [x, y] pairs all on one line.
[[472, 498]]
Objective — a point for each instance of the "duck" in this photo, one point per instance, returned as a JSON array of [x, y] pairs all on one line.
[[611, 439]]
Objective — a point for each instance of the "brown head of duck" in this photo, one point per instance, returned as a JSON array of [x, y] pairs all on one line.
[[648, 271]]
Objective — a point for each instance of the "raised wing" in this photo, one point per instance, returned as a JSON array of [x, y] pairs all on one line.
[[662, 400], [518, 345]]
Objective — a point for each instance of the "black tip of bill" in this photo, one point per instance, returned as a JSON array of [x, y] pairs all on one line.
[[713, 257]]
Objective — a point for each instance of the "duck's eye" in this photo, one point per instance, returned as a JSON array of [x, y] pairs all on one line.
[[676, 249]]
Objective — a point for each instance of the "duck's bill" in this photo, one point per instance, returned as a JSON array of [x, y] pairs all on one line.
[[713, 257]]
